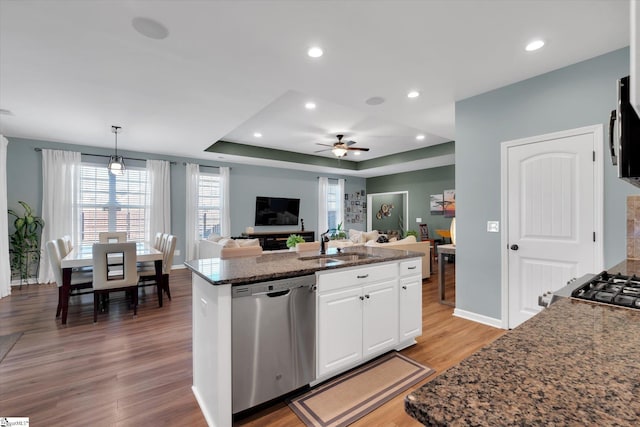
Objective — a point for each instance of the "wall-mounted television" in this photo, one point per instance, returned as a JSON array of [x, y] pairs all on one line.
[[277, 211]]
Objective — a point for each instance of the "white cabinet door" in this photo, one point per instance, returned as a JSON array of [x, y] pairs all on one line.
[[339, 329], [410, 307], [380, 317]]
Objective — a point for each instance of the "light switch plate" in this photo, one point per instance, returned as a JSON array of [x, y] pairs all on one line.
[[418, 220], [493, 226]]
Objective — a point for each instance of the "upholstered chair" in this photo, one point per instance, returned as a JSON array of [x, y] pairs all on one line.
[[148, 272], [104, 282], [112, 237], [79, 280]]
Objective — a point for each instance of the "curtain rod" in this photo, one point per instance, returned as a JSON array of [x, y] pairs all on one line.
[[204, 166], [107, 156]]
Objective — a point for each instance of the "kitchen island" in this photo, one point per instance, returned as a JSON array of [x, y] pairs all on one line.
[[575, 363], [353, 286]]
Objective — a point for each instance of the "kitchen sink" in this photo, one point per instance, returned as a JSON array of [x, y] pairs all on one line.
[[341, 256]]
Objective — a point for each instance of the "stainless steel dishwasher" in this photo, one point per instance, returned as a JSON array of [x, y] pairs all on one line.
[[273, 339]]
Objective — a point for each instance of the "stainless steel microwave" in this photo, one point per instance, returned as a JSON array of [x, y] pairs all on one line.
[[624, 136]]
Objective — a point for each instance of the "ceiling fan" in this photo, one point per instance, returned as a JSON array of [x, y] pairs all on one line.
[[340, 148]]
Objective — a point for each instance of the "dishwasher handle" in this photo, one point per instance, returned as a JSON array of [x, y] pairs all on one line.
[[272, 294]]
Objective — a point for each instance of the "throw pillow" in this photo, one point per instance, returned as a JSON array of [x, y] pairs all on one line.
[[214, 237], [248, 242], [371, 235], [228, 243], [356, 236]]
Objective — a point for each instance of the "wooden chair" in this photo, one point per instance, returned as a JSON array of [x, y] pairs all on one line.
[[79, 280], [112, 237], [104, 283]]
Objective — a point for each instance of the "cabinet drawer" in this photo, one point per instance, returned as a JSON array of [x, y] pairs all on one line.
[[356, 276], [413, 266]]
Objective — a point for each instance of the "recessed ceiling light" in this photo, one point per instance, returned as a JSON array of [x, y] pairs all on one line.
[[374, 100], [257, 134], [150, 28], [413, 94], [310, 106], [420, 137], [534, 45], [315, 52]]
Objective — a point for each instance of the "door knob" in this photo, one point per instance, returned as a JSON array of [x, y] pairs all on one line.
[[514, 247]]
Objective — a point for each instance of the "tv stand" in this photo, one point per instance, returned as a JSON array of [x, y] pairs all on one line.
[[272, 240]]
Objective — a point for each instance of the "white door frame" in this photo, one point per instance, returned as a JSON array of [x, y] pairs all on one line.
[[598, 188], [405, 206]]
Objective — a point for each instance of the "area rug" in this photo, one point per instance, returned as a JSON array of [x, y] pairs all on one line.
[[7, 342], [343, 400]]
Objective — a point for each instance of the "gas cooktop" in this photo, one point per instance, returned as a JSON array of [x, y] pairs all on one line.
[[615, 289]]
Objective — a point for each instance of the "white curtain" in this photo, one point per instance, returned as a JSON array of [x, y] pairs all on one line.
[[5, 269], [191, 226], [225, 203], [60, 193], [340, 203], [323, 213], [159, 172]]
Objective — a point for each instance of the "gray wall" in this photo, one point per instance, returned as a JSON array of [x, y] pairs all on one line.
[[24, 182], [420, 185], [579, 95]]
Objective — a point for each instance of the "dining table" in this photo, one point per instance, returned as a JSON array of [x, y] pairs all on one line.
[[82, 256]]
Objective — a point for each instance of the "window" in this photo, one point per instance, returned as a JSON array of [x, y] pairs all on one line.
[[108, 203], [334, 200], [209, 205]]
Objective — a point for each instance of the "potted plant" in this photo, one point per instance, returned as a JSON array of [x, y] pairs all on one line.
[[338, 233], [25, 240], [293, 240]]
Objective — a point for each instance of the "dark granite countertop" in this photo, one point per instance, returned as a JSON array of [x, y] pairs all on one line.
[[280, 265], [575, 363], [626, 267]]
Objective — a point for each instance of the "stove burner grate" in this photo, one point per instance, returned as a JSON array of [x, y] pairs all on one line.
[[611, 289]]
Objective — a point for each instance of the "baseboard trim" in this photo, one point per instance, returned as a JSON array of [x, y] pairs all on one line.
[[479, 318]]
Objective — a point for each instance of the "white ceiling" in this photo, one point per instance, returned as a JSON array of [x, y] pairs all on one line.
[[70, 69]]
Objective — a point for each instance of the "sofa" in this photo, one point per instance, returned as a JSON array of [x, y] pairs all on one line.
[[410, 244], [213, 247]]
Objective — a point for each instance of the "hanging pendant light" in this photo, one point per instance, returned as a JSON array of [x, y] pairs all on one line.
[[116, 163]]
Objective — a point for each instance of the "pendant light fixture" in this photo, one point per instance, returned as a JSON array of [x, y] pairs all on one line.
[[116, 163]]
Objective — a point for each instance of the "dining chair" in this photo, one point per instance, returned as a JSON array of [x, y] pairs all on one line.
[[79, 280], [148, 272], [67, 243], [112, 236], [157, 242], [104, 283]]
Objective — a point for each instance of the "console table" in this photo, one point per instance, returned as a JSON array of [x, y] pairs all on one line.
[[271, 240]]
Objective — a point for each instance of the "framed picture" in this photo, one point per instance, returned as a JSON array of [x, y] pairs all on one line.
[[436, 203], [449, 203]]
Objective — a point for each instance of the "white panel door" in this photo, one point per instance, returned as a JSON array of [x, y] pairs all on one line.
[[551, 218]]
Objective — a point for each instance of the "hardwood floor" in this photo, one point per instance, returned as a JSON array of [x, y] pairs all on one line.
[[126, 371]]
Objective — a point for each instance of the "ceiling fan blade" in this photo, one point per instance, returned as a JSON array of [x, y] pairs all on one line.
[[326, 145], [349, 143], [357, 149], [320, 151]]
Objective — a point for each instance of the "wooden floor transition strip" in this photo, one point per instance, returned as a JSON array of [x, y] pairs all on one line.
[[343, 400], [7, 342]]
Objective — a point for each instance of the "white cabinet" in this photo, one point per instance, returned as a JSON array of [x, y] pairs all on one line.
[[340, 330], [379, 317], [410, 307], [357, 316], [410, 296]]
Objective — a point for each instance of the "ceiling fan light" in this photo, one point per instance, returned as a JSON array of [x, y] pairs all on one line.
[[339, 151], [116, 165]]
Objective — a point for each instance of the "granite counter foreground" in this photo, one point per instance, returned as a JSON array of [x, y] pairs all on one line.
[[575, 363], [281, 265]]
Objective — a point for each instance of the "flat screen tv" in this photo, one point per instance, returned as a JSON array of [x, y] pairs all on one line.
[[277, 211]]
